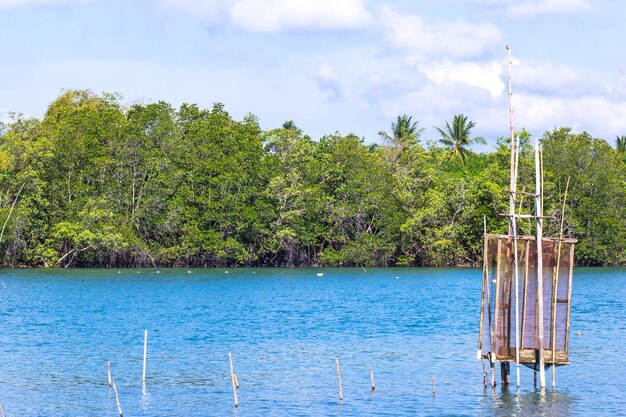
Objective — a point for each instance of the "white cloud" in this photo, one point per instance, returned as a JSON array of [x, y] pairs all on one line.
[[486, 76], [278, 15], [598, 115], [328, 80], [545, 77], [456, 38], [14, 4], [530, 8]]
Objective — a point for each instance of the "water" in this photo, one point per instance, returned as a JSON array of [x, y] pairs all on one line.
[[285, 328]]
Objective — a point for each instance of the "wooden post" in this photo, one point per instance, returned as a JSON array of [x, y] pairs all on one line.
[[507, 292], [555, 287], [236, 380], [569, 295], [516, 264], [339, 380], [145, 355], [434, 387], [372, 379], [117, 400], [484, 373], [496, 309], [232, 377], [513, 183], [479, 353], [109, 374], [525, 291], [553, 301], [539, 240], [491, 328], [1, 411]]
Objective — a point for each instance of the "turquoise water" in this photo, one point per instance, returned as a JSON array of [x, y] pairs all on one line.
[[285, 328]]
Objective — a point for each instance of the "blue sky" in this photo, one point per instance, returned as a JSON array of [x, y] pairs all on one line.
[[329, 65]]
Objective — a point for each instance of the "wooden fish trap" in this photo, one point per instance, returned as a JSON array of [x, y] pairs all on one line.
[[497, 341], [526, 284]]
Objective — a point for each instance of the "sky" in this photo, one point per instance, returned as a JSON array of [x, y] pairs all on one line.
[[348, 66]]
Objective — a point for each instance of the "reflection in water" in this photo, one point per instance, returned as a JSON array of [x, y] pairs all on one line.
[[145, 398], [548, 403]]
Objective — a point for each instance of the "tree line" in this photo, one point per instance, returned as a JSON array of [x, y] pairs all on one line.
[[97, 183]]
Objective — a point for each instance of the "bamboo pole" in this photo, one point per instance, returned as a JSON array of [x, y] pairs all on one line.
[[517, 330], [482, 297], [555, 272], [117, 400], [569, 296], [507, 292], [525, 290], [556, 286], [539, 236], [488, 296], [109, 374], [513, 183], [513, 189], [484, 373], [372, 379], [1, 411], [232, 377], [145, 355], [339, 380], [496, 309]]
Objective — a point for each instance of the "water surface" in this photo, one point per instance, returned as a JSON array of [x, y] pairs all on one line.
[[285, 328]]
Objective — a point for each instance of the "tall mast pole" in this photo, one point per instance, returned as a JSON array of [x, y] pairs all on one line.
[[539, 236], [513, 184], [512, 219]]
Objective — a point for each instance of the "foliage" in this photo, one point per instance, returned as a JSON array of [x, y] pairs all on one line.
[[457, 136], [96, 183]]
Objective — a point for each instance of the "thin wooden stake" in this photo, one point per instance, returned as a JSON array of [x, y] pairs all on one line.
[[539, 240], [145, 355], [117, 400], [479, 352], [555, 287], [484, 373], [236, 380], [109, 373], [495, 314], [372, 379], [339, 380], [1, 411], [233, 377], [434, 387]]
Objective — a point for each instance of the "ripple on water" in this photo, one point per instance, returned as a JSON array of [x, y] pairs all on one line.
[[285, 328]]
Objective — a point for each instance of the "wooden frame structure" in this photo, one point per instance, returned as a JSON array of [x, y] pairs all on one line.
[[497, 341], [547, 266]]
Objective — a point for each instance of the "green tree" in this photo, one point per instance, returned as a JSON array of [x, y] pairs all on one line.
[[596, 198], [404, 132], [457, 137], [620, 144]]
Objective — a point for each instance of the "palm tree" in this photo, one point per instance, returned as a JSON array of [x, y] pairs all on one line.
[[289, 124], [405, 132], [620, 143], [457, 137]]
